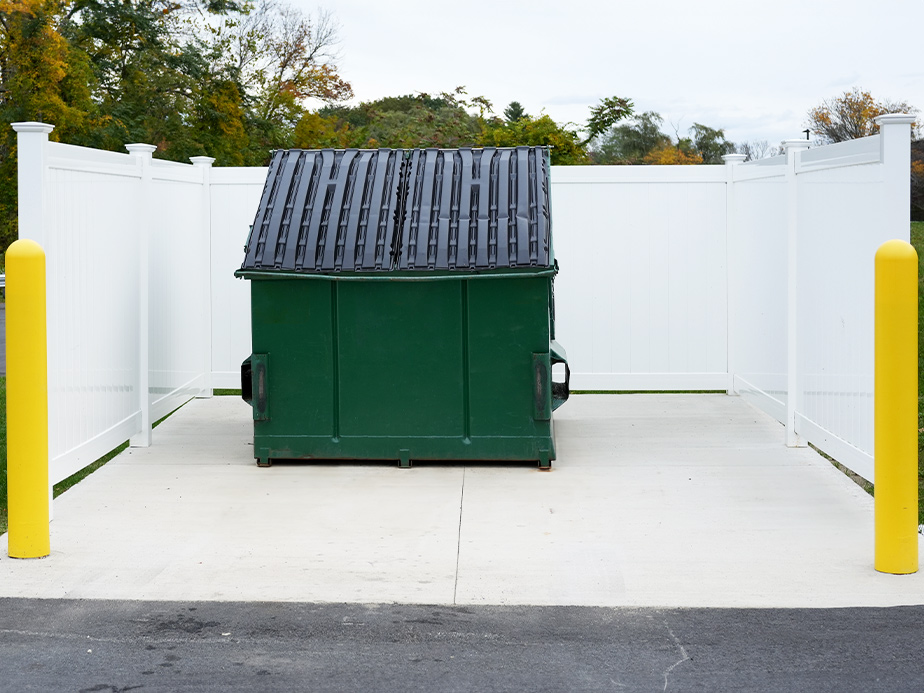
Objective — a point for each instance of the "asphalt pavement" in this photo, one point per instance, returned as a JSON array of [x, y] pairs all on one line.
[[115, 646]]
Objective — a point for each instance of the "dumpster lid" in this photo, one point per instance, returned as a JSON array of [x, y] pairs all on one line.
[[402, 210]]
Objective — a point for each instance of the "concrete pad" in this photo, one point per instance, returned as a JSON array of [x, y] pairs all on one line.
[[192, 517], [655, 500]]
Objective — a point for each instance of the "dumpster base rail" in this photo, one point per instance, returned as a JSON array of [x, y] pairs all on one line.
[[443, 449]]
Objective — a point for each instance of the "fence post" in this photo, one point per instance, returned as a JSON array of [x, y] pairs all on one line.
[[793, 392], [142, 153], [27, 401], [731, 162], [895, 148], [895, 405], [31, 141], [204, 165]]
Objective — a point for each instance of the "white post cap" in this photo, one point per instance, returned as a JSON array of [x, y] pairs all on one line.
[[796, 145], [141, 149], [202, 160], [733, 158], [887, 119], [33, 126]]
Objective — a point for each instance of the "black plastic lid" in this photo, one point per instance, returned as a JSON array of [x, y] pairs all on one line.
[[358, 210]]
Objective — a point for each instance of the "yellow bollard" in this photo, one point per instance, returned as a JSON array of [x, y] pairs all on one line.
[[27, 401], [896, 408]]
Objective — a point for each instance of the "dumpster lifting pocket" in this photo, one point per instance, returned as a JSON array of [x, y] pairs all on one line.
[[542, 379], [259, 386]]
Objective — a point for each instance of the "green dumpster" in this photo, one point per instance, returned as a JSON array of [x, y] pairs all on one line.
[[402, 307]]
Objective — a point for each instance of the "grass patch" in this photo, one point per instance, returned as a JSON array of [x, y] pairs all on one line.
[[853, 476], [917, 240], [76, 477], [226, 393], [82, 474]]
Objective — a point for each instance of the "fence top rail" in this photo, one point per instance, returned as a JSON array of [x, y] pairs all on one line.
[[746, 173], [165, 163], [74, 158], [638, 174], [866, 150], [187, 174], [777, 160]]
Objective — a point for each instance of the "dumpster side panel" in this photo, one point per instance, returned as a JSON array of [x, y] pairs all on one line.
[[400, 358], [292, 324], [508, 323]]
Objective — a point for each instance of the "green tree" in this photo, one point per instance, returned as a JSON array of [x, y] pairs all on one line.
[[641, 141], [606, 114], [710, 144], [514, 112], [630, 142], [144, 69], [219, 130], [411, 120]]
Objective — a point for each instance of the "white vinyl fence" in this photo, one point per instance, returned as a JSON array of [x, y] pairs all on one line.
[[641, 299], [752, 278], [803, 233]]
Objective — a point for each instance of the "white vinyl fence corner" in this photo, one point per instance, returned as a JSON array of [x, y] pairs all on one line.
[[751, 278], [128, 289], [804, 229]]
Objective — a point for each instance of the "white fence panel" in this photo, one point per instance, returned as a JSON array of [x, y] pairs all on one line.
[[91, 199], [757, 286], [235, 195], [641, 298], [179, 290], [840, 229]]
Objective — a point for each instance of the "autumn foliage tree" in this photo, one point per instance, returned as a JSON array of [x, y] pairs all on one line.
[[223, 78], [566, 145], [42, 77], [852, 115], [672, 155]]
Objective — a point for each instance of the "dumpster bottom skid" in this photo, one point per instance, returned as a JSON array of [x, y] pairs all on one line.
[[455, 370]]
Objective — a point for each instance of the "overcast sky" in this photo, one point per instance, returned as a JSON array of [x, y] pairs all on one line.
[[752, 67]]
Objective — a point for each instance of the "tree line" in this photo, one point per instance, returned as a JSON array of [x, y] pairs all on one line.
[[235, 79]]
